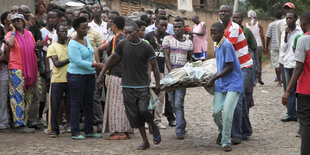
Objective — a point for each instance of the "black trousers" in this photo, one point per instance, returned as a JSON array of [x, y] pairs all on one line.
[[81, 90], [168, 109], [303, 114], [136, 101], [57, 91]]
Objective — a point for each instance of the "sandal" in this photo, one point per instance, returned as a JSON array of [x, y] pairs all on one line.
[[227, 148], [219, 139], [180, 136], [143, 146], [79, 137], [94, 135], [157, 140]]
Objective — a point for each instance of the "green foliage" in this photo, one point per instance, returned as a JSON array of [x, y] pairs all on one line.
[[267, 8]]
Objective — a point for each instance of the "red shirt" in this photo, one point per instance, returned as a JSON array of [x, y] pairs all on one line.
[[302, 54], [234, 34]]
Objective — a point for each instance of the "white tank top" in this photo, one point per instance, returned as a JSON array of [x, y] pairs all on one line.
[[255, 30]]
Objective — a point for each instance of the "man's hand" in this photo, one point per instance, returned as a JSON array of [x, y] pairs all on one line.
[[157, 89], [100, 80], [268, 51], [285, 98], [210, 82], [264, 50], [12, 28]]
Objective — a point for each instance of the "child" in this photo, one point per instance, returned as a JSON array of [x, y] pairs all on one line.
[[229, 84]]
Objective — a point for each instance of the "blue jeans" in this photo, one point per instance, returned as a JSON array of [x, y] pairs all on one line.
[[241, 126], [176, 98], [291, 107], [81, 90], [224, 105], [254, 64]]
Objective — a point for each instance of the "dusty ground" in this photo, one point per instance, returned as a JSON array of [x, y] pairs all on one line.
[[270, 135]]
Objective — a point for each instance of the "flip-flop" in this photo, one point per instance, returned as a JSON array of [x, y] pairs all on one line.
[[94, 135], [143, 146], [80, 137], [157, 140], [227, 148]]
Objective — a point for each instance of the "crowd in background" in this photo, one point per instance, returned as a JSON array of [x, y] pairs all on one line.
[[86, 68]]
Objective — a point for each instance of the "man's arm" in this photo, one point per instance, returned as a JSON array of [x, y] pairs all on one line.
[[296, 74], [227, 69], [58, 63], [261, 31], [202, 32], [278, 33], [99, 50], [110, 62], [167, 58], [267, 44], [154, 65]]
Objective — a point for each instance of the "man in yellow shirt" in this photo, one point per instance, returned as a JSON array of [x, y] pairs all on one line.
[[58, 52]]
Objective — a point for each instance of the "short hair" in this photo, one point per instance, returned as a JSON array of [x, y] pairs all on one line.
[[2, 33], [85, 11], [133, 24], [239, 12], [57, 11], [4, 16], [143, 17], [161, 18], [229, 6], [157, 9], [77, 21], [306, 16], [219, 26], [99, 5], [294, 13], [179, 19], [115, 12], [278, 14], [140, 23], [148, 21], [59, 25], [119, 21]]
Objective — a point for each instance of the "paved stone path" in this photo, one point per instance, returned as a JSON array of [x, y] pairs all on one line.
[[270, 135]]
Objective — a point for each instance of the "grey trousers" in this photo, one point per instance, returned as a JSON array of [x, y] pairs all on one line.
[[33, 113], [98, 109], [4, 90]]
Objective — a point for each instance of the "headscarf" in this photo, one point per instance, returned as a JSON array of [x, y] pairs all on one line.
[[252, 15]]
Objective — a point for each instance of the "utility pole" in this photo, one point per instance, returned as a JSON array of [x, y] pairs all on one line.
[[236, 5]]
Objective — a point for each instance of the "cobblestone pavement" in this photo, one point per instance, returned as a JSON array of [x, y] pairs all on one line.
[[270, 135]]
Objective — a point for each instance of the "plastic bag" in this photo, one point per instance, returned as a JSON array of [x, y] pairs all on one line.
[[154, 101]]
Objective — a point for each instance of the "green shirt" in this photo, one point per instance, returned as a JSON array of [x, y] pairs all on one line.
[[250, 39], [295, 40]]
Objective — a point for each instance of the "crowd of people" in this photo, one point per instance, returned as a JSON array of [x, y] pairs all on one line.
[[86, 68]]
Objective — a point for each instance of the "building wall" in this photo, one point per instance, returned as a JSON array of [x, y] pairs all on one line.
[[6, 5]]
